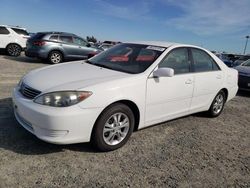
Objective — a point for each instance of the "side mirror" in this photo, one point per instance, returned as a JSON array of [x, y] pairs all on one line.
[[163, 72], [88, 45]]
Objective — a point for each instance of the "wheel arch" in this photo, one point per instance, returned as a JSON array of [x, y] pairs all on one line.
[[13, 43], [128, 103], [225, 90], [134, 109]]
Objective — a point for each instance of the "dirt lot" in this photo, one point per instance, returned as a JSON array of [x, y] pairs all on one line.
[[194, 151]]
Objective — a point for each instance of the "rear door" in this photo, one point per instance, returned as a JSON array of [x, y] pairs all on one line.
[[208, 79]]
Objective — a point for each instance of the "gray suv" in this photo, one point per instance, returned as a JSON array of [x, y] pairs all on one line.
[[58, 47]]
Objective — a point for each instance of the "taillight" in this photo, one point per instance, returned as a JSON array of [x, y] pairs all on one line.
[[39, 43]]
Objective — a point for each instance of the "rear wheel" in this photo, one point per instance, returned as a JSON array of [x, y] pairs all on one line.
[[55, 57], [218, 104], [113, 128], [14, 50]]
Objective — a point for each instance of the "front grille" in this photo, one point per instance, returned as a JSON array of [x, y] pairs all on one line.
[[244, 81], [28, 92]]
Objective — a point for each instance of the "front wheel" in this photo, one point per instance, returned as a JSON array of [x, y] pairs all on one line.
[[217, 104], [113, 128], [14, 50]]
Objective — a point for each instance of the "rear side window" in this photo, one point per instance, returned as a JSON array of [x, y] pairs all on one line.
[[4, 31], [203, 62], [54, 37], [178, 60], [20, 31], [67, 39]]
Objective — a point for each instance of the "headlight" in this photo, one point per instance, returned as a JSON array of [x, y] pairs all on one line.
[[62, 98], [20, 82]]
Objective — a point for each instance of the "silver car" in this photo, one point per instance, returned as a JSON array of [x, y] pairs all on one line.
[[58, 47]]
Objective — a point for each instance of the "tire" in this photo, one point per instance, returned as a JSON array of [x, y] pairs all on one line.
[[217, 105], [14, 50], [55, 57], [113, 127]]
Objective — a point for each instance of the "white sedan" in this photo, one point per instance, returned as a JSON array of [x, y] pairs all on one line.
[[126, 88]]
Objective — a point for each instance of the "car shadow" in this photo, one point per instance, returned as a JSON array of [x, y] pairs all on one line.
[[15, 138], [243, 93], [3, 52], [24, 59]]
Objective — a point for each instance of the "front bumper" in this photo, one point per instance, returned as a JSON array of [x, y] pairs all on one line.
[[244, 82], [55, 125]]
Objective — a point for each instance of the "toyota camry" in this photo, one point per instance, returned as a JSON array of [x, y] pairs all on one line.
[[128, 87]]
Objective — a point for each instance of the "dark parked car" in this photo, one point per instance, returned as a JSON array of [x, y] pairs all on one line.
[[59, 46], [244, 75], [241, 60], [225, 58]]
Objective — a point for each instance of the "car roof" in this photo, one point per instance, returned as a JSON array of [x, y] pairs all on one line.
[[57, 32], [12, 26], [162, 44], [107, 44]]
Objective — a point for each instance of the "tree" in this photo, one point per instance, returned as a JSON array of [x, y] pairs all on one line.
[[91, 39]]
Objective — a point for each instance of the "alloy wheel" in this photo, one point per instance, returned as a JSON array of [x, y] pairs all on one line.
[[14, 50], [218, 103], [116, 128]]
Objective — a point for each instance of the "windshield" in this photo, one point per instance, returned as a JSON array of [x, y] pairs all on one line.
[[246, 63], [129, 58], [244, 58]]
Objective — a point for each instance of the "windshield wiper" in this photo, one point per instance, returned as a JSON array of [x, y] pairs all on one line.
[[89, 62], [107, 67], [96, 64], [103, 66]]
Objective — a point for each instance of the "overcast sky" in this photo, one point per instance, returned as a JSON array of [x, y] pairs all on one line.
[[216, 25]]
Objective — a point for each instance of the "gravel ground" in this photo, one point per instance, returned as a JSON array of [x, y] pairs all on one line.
[[193, 151]]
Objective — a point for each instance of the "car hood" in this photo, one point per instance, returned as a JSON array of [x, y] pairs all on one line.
[[243, 70], [69, 76]]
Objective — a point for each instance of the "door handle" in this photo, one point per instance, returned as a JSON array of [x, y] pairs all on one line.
[[189, 81], [218, 76]]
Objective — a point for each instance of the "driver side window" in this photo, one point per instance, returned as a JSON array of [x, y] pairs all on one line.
[[79, 41], [178, 60]]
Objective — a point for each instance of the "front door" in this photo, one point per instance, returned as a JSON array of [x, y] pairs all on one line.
[[170, 97], [83, 51]]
